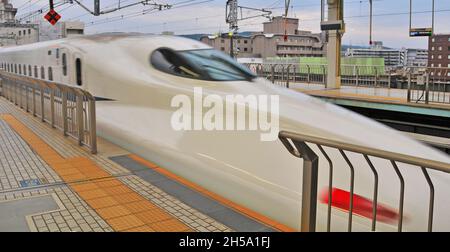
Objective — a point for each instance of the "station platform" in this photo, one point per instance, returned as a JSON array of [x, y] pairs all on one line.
[[374, 98], [48, 183]]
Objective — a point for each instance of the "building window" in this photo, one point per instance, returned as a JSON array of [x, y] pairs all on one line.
[[42, 73], [433, 40], [24, 70], [246, 49], [432, 48], [245, 41], [222, 48], [35, 72], [29, 31], [8, 68], [432, 64], [222, 41], [432, 56], [448, 56], [24, 32], [57, 53], [440, 48], [20, 69], [440, 65], [29, 70], [50, 74], [50, 52], [439, 56], [20, 33]]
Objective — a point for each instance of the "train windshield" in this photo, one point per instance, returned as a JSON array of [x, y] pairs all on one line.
[[205, 64]]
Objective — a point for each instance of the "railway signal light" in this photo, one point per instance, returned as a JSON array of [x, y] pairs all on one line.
[[52, 17]]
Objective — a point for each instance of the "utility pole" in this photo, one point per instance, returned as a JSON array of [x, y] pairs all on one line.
[[232, 10], [232, 20], [335, 27]]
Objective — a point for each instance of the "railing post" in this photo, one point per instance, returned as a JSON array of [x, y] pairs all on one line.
[[309, 187], [288, 75], [64, 111], [357, 75], [272, 69], [389, 80], [52, 107], [34, 100], [26, 99], [92, 126], [15, 93], [42, 104], [427, 88], [408, 96], [376, 77], [309, 73], [324, 80], [80, 119]]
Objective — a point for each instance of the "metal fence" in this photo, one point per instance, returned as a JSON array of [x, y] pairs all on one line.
[[424, 85], [67, 108], [286, 74], [431, 85], [300, 145]]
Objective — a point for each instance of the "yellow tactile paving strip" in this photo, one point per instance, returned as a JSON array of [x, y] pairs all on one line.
[[122, 208], [250, 213]]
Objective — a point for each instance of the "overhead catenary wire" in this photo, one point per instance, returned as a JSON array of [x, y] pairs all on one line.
[[145, 12]]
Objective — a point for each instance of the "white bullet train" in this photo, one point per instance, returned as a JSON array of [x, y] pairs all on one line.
[[135, 78]]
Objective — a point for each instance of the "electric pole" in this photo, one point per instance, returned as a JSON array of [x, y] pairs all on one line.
[[232, 11], [335, 27], [232, 20]]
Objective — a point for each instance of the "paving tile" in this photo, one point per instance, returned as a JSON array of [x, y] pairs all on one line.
[[125, 222], [113, 212]]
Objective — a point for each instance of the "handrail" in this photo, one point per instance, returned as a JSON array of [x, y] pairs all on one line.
[[407, 159], [55, 102], [298, 144]]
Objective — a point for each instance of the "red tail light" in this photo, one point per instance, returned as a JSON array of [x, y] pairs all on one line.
[[361, 206]]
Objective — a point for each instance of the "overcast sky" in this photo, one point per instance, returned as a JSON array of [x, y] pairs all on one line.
[[391, 20]]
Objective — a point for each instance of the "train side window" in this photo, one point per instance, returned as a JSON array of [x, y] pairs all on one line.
[[64, 64], [42, 73], [78, 71], [20, 69], [35, 72], [50, 74], [29, 70]]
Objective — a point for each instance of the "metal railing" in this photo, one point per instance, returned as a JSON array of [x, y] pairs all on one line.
[[300, 145], [287, 73], [69, 109], [423, 84], [432, 85]]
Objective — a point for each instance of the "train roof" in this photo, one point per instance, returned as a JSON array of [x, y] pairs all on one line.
[[124, 39]]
